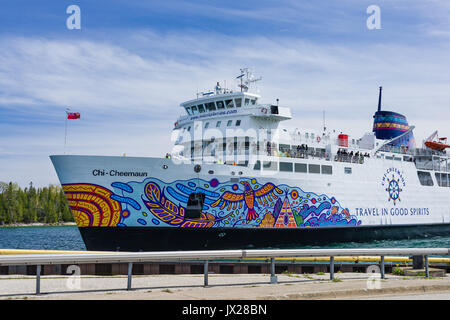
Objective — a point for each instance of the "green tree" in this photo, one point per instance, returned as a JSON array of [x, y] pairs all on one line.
[[29, 205]]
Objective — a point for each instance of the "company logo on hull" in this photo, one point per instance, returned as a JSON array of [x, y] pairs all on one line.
[[393, 182]]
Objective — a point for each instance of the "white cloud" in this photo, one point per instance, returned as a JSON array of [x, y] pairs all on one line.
[[129, 93]]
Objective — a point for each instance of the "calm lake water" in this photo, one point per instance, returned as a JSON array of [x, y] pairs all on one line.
[[69, 238], [41, 238]]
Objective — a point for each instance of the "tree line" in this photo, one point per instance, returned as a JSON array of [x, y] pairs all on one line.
[[30, 205]]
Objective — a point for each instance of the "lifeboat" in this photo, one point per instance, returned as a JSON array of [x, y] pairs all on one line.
[[440, 145]]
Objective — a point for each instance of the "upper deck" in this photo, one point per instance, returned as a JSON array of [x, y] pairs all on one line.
[[226, 103], [234, 127]]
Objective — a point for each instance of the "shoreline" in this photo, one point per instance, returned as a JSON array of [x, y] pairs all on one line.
[[38, 224]]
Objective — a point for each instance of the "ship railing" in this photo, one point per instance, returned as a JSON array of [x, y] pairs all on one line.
[[426, 162], [432, 163], [247, 153], [230, 157], [206, 257], [412, 151], [350, 158], [299, 153]]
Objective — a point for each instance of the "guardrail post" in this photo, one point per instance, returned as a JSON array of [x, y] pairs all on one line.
[[273, 277], [130, 274], [427, 269], [38, 279], [417, 261], [382, 267], [331, 268], [205, 274]]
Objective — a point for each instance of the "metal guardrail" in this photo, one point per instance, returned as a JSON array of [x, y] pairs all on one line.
[[208, 256]]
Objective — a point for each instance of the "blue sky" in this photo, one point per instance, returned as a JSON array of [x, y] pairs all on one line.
[[133, 62]]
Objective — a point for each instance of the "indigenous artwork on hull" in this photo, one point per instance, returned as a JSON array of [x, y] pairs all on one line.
[[246, 203], [92, 205]]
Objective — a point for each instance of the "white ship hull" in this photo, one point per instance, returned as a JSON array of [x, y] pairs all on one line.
[[128, 203]]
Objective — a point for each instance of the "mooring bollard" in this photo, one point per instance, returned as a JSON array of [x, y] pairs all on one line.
[[205, 274], [38, 279], [130, 274], [331, 268], [382, 267], [273, 277]]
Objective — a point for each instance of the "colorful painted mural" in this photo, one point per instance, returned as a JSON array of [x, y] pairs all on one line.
[[248, 203], [92, 205]]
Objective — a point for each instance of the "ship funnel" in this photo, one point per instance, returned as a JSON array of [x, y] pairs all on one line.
[[388, 125]]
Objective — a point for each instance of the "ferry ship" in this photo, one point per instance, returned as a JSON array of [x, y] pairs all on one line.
[[238, 177]]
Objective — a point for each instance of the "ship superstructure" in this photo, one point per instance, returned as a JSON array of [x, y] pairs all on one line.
[[238, 177]]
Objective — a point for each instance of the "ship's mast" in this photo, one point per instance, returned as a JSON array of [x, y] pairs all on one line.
[[379, 100], [249, 79]]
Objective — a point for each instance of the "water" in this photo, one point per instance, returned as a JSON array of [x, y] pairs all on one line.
[[69, 238], [434, 242], [41, 238]]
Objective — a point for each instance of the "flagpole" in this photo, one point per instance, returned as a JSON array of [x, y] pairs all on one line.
[[65, 132]]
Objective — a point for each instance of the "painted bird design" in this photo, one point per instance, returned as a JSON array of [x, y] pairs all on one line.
[[250, 197]]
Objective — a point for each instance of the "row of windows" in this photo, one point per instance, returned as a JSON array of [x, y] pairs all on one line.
[[218, 105], [218, 124], [393, 158], [229, 124], [443, 179], [293, 167]]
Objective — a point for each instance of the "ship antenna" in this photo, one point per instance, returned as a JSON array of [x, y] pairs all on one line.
[[240, 77], [249, 79], [379, 100]]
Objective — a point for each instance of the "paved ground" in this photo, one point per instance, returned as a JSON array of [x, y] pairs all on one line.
[[422, 296], [223, 287]]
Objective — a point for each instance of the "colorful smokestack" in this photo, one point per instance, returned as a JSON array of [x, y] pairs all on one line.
[[388, 125]]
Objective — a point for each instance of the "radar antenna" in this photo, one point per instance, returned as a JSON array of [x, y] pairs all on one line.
[[249, 79]]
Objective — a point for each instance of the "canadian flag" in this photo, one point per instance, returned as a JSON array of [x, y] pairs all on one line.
[[73, 115]]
